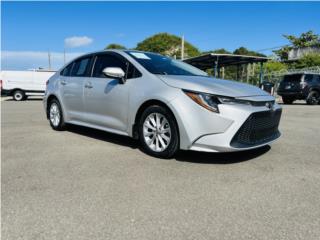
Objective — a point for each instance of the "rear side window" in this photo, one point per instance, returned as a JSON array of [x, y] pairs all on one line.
[[67, 70], [111, 60], [294, 78], [317, 79], [81, 67]]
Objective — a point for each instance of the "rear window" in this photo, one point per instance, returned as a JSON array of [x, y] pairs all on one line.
[[80, 67], [292, 78], [67, 70]]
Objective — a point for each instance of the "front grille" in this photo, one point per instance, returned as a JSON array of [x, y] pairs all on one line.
[[262, 103], [259, 128]]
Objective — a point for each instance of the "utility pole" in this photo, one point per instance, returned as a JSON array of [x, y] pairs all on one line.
[[182, 47], [49, 60]]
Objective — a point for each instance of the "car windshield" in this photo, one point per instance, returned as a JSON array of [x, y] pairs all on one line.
[[293, 78], [158, 64]]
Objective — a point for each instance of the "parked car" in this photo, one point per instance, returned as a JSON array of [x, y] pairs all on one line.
[[21, 84], [300, 86], [165, 103]]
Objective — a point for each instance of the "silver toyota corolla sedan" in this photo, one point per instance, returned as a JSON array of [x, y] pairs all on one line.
[[165, 103]]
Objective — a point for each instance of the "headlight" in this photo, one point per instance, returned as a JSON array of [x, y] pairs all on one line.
[[205, 100], [211, 102]]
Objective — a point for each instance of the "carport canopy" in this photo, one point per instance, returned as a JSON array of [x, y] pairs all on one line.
[[210, 60], [218, 60]]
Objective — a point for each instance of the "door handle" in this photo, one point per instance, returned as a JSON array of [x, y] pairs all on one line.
[[63, 82], [88, 85]]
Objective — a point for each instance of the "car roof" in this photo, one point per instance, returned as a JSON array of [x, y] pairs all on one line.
[[301, 73]]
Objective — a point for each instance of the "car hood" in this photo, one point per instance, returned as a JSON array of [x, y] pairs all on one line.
[[213, 86]]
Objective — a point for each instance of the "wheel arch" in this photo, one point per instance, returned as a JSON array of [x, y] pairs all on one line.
[[317, 89], [11, 92], [49, 99], [143, 107]]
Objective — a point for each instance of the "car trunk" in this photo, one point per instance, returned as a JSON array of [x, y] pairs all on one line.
[[290, 83]]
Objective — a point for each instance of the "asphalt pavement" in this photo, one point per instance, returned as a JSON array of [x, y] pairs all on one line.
[[88, 184]]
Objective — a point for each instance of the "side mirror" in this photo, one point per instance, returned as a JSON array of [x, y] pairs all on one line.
[[115, 72]]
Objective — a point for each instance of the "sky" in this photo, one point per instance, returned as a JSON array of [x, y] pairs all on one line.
[[30, 29]]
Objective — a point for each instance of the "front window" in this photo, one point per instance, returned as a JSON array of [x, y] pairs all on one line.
[[111, 60], [158, 64]]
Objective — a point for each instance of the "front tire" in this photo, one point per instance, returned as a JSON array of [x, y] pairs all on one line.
[[313, 98], [158, 132], [55, 115], [18, 95]]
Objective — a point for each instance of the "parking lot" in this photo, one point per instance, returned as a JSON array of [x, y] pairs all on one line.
[[87, 184]]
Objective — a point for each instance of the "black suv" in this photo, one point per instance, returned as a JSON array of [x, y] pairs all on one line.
[[300, 86]]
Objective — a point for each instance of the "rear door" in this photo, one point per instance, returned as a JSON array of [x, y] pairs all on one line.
[[72, 83]]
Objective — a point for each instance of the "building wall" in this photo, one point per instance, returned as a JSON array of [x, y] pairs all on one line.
[[297, 53]]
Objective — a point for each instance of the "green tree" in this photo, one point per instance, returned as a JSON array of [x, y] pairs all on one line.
[[167, 44], [115, 46], [219, 50], [273, 66], [245, 51], [306, 39]]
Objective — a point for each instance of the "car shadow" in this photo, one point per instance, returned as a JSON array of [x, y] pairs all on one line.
[[221, 158], [27, 100], [297, 103], [103, 136], [182, 155]]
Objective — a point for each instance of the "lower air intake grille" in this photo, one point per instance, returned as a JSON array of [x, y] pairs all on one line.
[[259, 128]]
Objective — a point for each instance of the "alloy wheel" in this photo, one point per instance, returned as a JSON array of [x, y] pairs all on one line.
[[157, 132], [55, 115]]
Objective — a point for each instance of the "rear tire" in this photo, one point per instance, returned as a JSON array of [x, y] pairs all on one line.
[[287, 100], [18, 95], [313, 98], [158, 132], [55, 115]]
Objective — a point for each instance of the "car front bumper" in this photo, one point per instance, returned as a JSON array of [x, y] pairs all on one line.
[[236, 128], [253, 133]]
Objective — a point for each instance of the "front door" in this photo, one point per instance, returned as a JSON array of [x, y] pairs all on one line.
[[106, 99]]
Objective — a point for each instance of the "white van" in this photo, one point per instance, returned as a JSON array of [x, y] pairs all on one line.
[[21, 84]]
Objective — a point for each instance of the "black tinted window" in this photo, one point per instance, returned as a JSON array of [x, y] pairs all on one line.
[[110, 60], [317, 78], [158, 64], [81, 67], [308, 78], [66, 71], [296, 78], [132, 72]]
